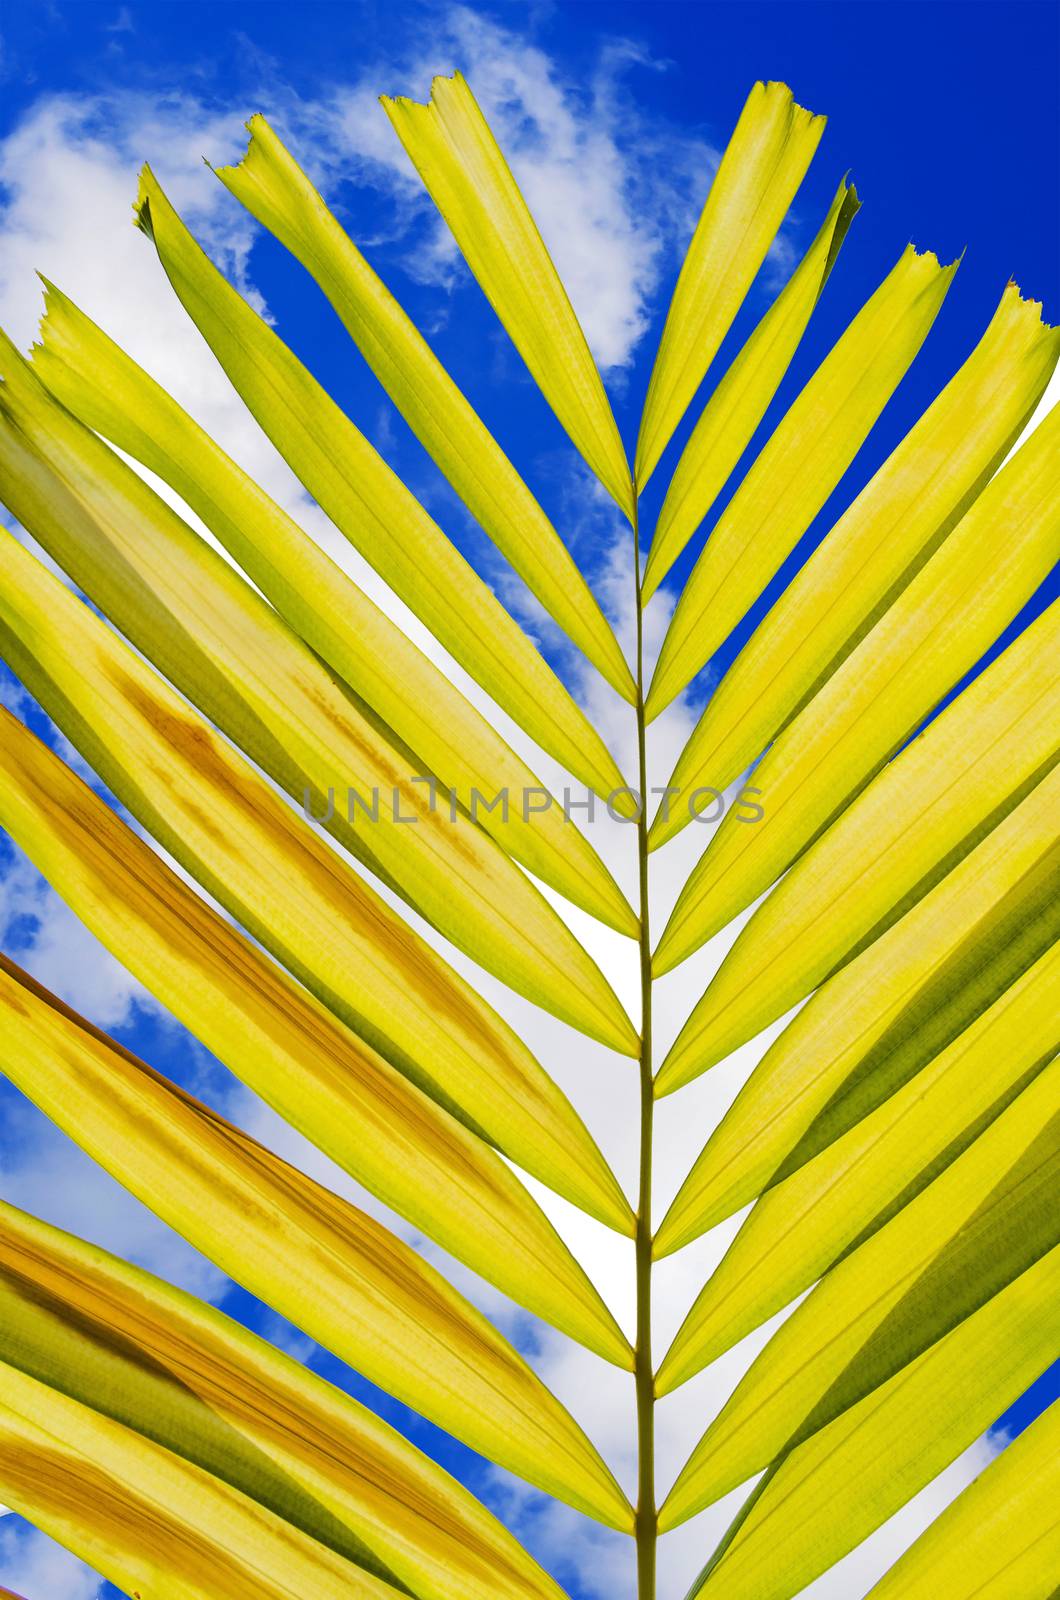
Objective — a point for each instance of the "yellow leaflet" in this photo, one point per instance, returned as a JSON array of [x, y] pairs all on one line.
[[100, 384], [287, 1047], [236, 837], [739, 402], [799, 466], [371, 506], [838, 1487], [800, 1227], [149, 1521], [450, 144], [936, 631], [766, 160], [878, 545], [272, 186], [981, 1224], [904, 832], [934, 971], [218, 641], [165, 1365], [335, 1272], [1000, 1538]]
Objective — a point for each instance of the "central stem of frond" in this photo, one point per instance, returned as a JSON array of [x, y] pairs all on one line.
[[647, 1516]]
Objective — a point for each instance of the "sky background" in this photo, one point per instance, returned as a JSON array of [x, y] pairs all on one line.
[[613, 117]]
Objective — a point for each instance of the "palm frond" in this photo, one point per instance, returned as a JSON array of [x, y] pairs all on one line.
[[897, 1142]]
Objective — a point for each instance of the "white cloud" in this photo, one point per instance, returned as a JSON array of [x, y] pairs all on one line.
[[37, 1567], [44, 1172]]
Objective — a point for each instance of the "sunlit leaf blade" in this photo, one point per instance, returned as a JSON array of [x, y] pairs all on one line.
[[100, 384], [227, 828], [763, 165], [202, 624], [838, 1487], [148, 1520], [935, 632], [903, 833], [739, 402], [878, 545], [371, 506], [799, 466], [801, 1227], [288, 1047], [269, 182], [170, 1367], [983, 1222], [332, 1270], [283, 1044], [1000, 1538], [451, 146], [884, 1016]]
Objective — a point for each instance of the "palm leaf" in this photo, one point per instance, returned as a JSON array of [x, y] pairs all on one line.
[[129, 1347], [728, 421], [370, 505], [897, 1141], [286, 1046], [982, 1223], [273, 187], [883, 1017], [96, 381], [799, 467], [300, 1248], [1001, 1537], [452, 147], [879, 543], [832, 1491], [772, 146], [897, 676], [161, 584]]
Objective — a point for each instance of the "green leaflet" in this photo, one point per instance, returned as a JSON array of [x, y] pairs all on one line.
[[165, 1365], [983, 1222], [740, 400], [878, 545], [1000, 1538], [838, 1487], [936, 631], [798, 468], [803, 1225], [194, 617], [148, 1520], [919, 817], [335, 1272], [450, 144], [100, 384], [272, 186], [371, 506], [886, 1015], [279, 880], [766, 160]]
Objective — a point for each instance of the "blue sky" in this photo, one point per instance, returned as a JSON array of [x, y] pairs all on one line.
[[946, 117]]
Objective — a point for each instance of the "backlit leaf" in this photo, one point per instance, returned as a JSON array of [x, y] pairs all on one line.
[[935, 632], [764, 163], [739, 402], [987, 1219], [878, 545], [337, 1274], [450, 144], [800, 465], [167, 1366], [272, 186]]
